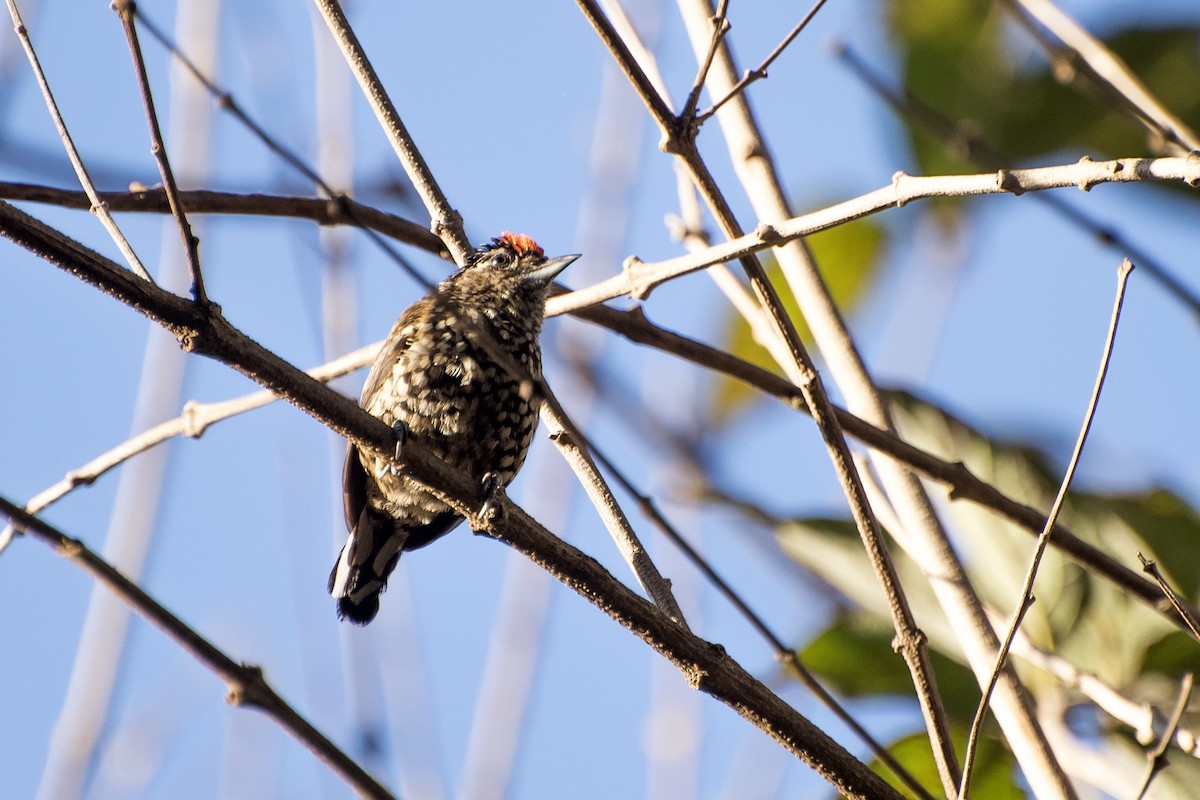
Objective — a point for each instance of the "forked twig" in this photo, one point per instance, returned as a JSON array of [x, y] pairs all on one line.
[[1156, 760], [1026, 596], [1185, 613], [720, 28], [340, 204], [760, 72]]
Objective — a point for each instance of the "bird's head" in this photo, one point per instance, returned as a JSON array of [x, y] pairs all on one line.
[[516, 258]]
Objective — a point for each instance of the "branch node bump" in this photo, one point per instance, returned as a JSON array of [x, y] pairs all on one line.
[[77, 478], [69, 548], [897, 177], [768, 234], [1193, 164], [638, 289], [1006, 181], [193, 423], [244, 692]]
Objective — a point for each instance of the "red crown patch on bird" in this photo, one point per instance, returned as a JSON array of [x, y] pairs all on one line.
[[520, 243]]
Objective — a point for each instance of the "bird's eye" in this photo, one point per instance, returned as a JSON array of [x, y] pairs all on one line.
[[501, 259]]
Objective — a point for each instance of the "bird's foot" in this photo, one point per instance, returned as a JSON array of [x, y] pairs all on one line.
[[492, 490], [400, 432]]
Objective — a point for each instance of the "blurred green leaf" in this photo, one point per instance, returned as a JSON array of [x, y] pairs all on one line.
[[1095, 625], [955, 59], [848, 257], [854, 656], [1172, 529], [1052, 117], [994, 775]]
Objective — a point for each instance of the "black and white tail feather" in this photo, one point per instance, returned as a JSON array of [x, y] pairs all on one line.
[[373, 549]]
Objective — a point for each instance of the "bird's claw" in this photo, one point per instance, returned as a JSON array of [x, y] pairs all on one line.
[[400, 432], [492, 490]]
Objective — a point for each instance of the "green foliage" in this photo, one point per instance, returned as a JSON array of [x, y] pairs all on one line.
[[955, 61], [855, 639], [1084, 619], [848, 257], [993, 777]]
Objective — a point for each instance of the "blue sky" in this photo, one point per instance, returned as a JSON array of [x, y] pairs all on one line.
[[503, 104]]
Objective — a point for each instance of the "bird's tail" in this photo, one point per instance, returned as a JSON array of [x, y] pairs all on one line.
[[362, 570]]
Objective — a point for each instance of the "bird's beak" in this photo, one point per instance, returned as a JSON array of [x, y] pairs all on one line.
[[549, 271]]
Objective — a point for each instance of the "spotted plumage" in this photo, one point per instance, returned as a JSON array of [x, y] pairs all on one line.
[[438, 386]]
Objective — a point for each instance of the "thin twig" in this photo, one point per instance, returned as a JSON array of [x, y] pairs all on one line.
[[1185, 612], [760, 72], [720, 28], [707, 667], [158, 149], [341, 204], [1156, 760], [965, 142], [1138, 715], [247, 685], [444, 220], [97, 205], [1026, 596]]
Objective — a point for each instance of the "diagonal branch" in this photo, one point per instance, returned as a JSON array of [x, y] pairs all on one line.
[[910, 641], [760, 72], [1109, 69], [444, 220], [247, 685], [334, 211], [706, 666]]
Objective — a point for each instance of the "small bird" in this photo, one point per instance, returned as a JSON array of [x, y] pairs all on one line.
[[437, 385]]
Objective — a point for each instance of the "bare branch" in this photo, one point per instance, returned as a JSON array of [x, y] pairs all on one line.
[[339, 210], [639, 277], [964, 142], [445, 221], [1186, 613], [341, 204], [1110, 70], [247, 685], [158, 149], [720, 28]]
